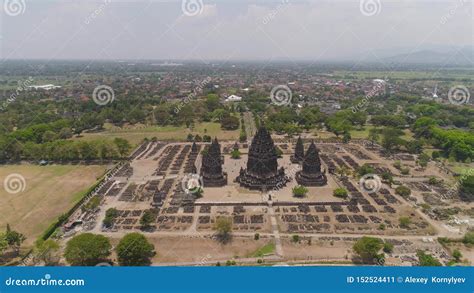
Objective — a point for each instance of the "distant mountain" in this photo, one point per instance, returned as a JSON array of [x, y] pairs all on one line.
[[462, 57]]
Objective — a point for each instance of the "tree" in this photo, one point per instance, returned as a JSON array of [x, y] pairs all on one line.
[[212, 102], [235, 154], [467, 187], [110, 216], [65, 133], [427, 260], [230, 122], [346, 137], [367, 248], [365, 169], [468, 238], [87, 249], [46, 251], [404, 222], [414, 147], [295, 238], [14, 239], [403, 191], [147, 219], [123, 146], [223, 227], [373, 136], [340, 192], [457, 255], [423, 160], [134, 250], [300, 191], [387, 177], [3, 243], [388, 247], [391, 140]]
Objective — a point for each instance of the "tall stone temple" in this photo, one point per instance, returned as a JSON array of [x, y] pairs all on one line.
[[311, 174], [298, 156], [262, 172], [211, 167]]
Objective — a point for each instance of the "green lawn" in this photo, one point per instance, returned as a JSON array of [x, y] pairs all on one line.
[[136, 133], [264, 250], [365, 133]]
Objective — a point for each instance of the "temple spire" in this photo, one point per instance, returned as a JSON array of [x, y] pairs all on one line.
[[211, 167], [311, 174], [298, 156], [262, 166]]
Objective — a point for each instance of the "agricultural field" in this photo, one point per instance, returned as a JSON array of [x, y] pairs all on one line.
[[46, 193]]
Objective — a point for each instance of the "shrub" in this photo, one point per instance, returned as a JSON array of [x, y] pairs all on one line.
[[300, 191], [340, 192]]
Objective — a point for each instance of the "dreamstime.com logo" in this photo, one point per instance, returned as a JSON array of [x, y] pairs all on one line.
[[192, 7], [281, 95], [192, 183], [370, 7], [45, 281], [14, 183], [459, 95], [370, 183], [14, 7], [103, 95]]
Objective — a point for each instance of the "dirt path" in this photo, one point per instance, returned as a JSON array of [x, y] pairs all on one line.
[[276, 232]]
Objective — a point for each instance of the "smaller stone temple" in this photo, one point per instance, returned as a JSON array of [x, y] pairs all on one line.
[[298, 156], [311, 174], [211, 167], [194, 148]]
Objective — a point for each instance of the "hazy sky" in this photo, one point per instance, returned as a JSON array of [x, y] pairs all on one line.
[[203, 30]]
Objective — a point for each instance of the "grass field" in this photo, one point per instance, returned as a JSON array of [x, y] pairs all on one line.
[[49, 191], [365, 133], [264, 250], [135, 134]]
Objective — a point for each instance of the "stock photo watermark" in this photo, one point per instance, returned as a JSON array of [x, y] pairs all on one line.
[[14, 183], [370, 7], [22, 86], [459, 95], [370, 183], [14, 7], [192, 7], [197, 90], [103, 95], [281, 95]]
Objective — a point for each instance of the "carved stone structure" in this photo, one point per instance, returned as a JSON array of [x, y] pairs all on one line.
[[311, 174], [211, 167], [194, 148], [262, 171], [298, 156]]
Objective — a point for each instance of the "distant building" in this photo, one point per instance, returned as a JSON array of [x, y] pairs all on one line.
[[233, 98], [45, 87]]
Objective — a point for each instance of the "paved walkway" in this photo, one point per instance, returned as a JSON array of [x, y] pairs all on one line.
[[276, 233]]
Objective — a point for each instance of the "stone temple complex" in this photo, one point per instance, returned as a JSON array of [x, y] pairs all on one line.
[[311, 174], [262, 172], [298, 156], [211, 167]]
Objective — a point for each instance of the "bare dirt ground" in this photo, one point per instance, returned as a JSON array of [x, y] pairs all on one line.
[[202, 251], [49, 192]]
